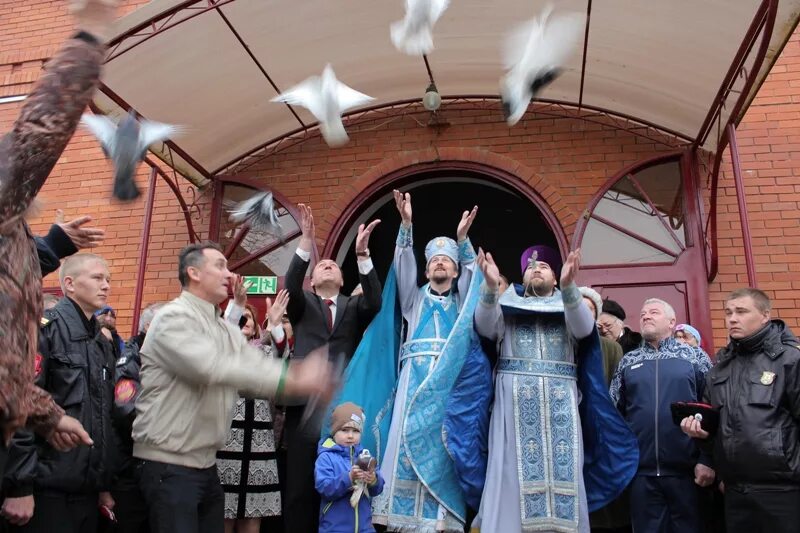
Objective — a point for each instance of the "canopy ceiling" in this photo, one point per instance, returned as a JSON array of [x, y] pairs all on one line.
[[214, 65]]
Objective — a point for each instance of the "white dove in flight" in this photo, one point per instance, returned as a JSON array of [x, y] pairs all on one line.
[[413, 35], [326, 98], [534, 56]]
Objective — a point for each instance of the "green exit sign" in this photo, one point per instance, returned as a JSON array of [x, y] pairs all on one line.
[[262, 284]]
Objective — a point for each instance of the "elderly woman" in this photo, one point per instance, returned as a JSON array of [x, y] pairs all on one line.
[[688, 335], [247, 465]]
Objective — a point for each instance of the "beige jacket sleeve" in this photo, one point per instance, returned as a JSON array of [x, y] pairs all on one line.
[[180, 345]]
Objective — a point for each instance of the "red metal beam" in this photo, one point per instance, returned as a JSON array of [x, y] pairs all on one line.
[[763, 19], [174, 147], [740, 197], [633, 235], [237, 240], [656, 212], [264, 250], [187, 214], [260, 67], [144, 245], [713, 267], [627, 171], [159, 24]]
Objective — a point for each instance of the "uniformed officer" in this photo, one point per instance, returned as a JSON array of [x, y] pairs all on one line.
[[756, 386]]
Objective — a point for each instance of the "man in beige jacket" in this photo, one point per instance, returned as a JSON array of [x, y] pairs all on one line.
[[194, 365]]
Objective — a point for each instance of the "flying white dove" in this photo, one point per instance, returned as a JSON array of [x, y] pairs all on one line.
[[258, 211], [126, 145], [326, 98], [413, 35], [534, 55]]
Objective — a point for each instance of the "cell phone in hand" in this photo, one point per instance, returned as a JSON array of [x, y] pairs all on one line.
[[108, 514], [705, 413]]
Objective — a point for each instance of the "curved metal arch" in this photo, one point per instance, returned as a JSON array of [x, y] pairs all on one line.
[[629, 170], [397, 177], [552, 108]]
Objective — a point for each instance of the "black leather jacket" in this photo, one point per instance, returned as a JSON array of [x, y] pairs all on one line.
[[127, 388], [76, 366], [756, 385]]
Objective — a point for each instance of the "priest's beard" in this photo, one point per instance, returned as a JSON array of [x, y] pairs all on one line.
[[539, 287]]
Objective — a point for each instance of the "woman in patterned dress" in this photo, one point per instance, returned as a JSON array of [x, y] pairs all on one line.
[[247, 465]]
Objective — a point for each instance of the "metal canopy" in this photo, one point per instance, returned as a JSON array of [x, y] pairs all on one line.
[[679, 66]]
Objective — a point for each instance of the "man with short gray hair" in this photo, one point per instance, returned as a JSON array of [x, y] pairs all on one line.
[[647, 381]]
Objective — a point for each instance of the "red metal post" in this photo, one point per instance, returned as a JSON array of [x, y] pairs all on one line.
[[143, 246], [743, 218]]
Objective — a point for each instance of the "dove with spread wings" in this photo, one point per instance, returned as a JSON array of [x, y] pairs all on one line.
[[326, 98], [126, 144]]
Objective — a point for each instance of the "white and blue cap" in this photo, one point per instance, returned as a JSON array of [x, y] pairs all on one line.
[[441, 246]]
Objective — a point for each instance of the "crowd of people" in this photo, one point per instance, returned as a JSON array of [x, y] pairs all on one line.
[[465, 404]]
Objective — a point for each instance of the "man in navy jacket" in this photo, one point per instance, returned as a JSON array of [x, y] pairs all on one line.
[[647, 381]]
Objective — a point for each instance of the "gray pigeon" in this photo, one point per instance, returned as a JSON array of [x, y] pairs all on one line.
[[126, 145], [326, 98], [258, 211], [413, 35], [535, 54]]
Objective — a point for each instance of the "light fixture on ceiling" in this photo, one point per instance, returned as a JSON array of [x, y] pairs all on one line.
[[432, 100]]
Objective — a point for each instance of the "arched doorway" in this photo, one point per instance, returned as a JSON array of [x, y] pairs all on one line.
[[511, 216]]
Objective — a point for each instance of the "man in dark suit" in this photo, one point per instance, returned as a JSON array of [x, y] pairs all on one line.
[[320, 317]]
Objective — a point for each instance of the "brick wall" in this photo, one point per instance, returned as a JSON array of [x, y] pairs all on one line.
[[30, 32], [769, 150], [564, 159]]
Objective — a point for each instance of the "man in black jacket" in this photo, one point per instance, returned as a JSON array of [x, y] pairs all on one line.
[[322, 317], [75, 365], [130, 507], [756, 386]]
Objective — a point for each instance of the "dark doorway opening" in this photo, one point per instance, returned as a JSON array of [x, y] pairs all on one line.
[[506, 224]]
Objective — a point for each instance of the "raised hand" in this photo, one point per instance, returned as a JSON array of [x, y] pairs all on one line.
[[81, 237], [467, 218], [276, 308], [489, 268], [571, 267], [240, 287], [403, 203], [306, 227], [362, 239]]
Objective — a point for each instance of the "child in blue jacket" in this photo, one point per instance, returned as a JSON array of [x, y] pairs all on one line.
[[336, 474]]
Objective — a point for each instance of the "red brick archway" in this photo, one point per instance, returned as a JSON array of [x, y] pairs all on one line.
[[402, 168]]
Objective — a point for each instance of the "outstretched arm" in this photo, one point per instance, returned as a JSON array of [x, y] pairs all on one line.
[[466, 253], [580, 321], [405, 264], [488, 315], [52, 111], [299, 265]]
